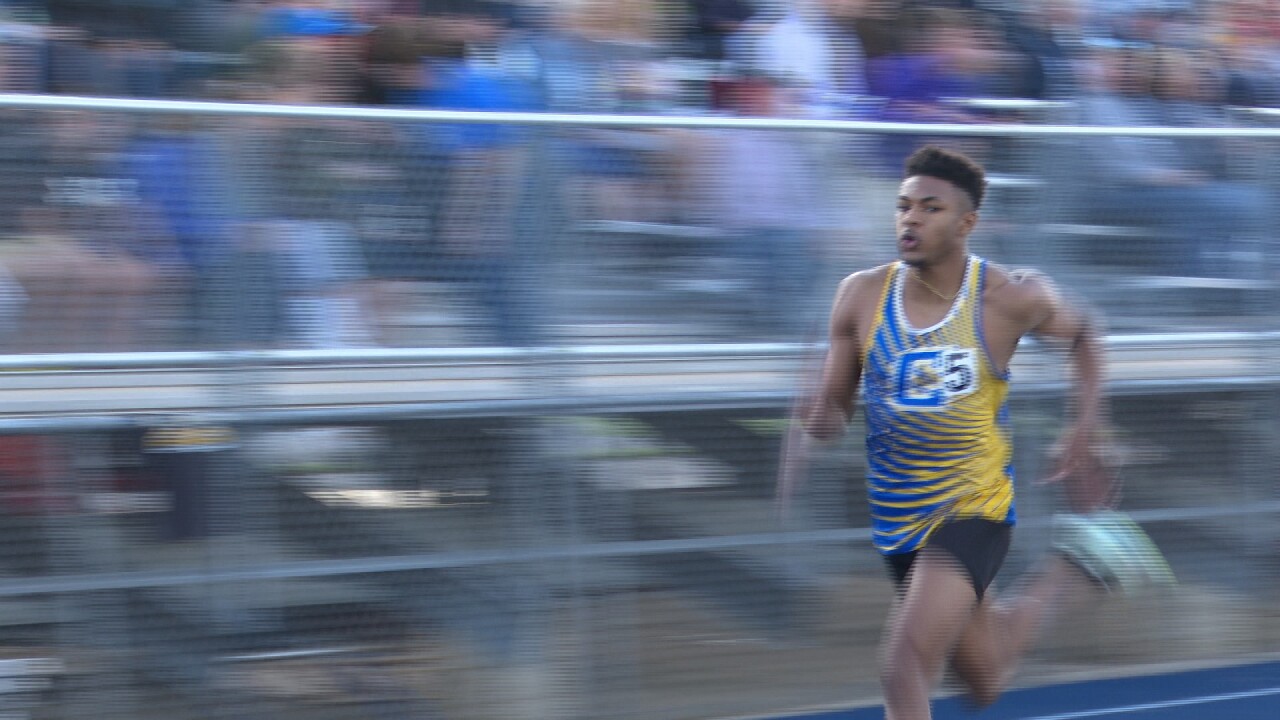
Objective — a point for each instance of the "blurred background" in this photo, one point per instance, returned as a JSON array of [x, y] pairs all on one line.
[[366, 415]]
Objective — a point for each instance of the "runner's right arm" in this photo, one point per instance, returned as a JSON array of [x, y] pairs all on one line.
[[830, 406]]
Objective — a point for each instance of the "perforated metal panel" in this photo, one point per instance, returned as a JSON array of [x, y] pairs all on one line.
[[400, 430]]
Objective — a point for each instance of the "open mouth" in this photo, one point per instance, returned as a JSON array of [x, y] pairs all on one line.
[[908, 241]]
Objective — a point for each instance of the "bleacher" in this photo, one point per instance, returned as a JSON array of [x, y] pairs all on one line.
[[584, 526]]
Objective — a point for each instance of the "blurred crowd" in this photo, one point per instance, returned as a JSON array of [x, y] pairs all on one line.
[[143, 231], [839, 57]]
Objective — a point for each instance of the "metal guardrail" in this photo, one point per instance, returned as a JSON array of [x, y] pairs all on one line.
[[179, 360], [370, 356], [57, 393], [213, 574], [1259, 111], [92, 392], [68, 102]]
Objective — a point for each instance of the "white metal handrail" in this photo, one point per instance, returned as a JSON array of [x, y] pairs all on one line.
[[194, 107], [570, 353], [1260, 111]]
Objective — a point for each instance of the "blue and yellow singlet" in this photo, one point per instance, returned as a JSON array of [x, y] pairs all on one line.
[[938, 439]]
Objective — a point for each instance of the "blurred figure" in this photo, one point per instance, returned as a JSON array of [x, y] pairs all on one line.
[[295, 178], [93, 255], [813, 52], [886, 27], [485, 175], [392, 71], [467, 178], [448, 202], [1048, 33], [1192, 87], [309, 18], [324, 38], [174, 161], [810, 43], [601, 57], [769, 203], [713, 22], [397, 208], [1249, 36], [1156, 22], [1152, 181], [952, 54], [879, 27], [121, 50], [1190, 91], [25, 40], [127, 66]]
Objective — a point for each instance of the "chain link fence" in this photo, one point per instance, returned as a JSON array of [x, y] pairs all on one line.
[[357, 413]]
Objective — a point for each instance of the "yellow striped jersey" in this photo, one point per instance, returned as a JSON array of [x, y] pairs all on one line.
[[938, 441]]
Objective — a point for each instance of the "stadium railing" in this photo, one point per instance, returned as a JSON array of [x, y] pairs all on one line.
[[562, 529]]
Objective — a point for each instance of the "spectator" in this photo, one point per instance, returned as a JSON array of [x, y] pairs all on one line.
[[1048, 34], [713, 22], [771, 216], [24, 48], [1156, 22], [485, 175], [592, 59], [953, 55], [884, 27], [35, 12], [399, 210], [296, 176], [123, 49], [174, 163], [1151, 179], [1189, 88], [464, 182], [308, 19], [92, 254], [878, 27], [325, 43], [808, 44], [1249, 37], [392, 71]]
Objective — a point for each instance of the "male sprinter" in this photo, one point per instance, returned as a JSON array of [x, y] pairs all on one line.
[[931, 337]]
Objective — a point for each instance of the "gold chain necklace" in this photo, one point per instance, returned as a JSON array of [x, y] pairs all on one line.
[[934, 290]]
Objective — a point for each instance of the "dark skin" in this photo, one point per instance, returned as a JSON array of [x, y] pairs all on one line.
[[938, 619]]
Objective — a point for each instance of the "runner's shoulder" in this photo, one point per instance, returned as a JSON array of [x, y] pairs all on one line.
[[1018, 287], [858, 293], [863, 286]]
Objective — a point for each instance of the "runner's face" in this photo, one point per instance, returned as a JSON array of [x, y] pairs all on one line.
[[933, 220]]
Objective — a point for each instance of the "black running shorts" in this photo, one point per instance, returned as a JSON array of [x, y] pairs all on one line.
[[979, 545]]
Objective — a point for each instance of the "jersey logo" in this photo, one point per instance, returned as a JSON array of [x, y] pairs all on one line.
[[932, 377]]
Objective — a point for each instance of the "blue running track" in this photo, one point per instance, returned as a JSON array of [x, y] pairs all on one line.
[[1242, 692]]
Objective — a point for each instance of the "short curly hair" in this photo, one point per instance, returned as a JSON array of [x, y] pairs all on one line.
[[956, 168]]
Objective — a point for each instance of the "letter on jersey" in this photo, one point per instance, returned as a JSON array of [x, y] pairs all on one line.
[[932, 377]]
